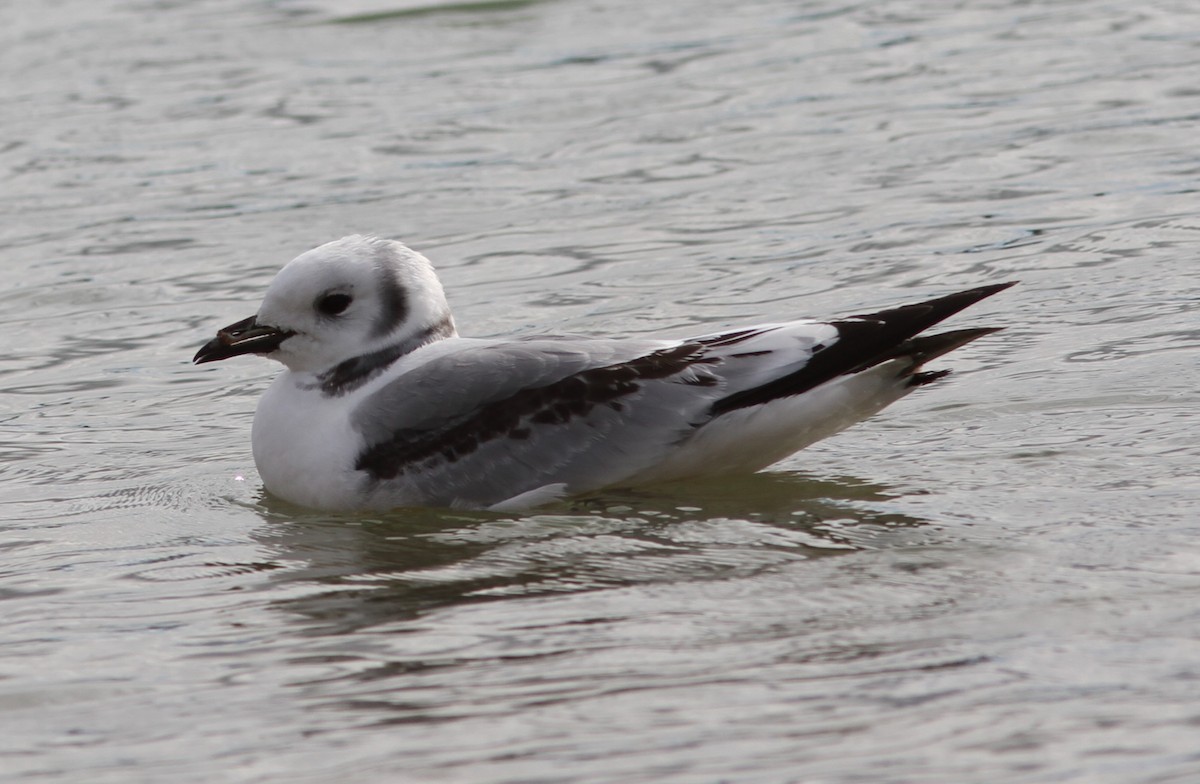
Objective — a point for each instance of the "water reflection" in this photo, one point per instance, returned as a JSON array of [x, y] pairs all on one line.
[[401, 565]]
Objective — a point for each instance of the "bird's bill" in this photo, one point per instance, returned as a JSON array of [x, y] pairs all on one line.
[[245, 337]]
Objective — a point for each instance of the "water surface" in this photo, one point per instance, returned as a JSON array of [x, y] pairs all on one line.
[[994, 581]]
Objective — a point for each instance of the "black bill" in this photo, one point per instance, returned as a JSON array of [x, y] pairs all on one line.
[[245, 337]]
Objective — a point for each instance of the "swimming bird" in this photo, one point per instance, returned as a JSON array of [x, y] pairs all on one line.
[[381, 404]]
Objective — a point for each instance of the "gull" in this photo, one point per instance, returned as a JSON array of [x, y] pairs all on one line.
[[382, 405]]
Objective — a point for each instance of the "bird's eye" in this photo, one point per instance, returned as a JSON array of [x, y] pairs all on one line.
[[333, 304]]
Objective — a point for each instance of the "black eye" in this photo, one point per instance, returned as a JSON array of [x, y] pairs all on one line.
[[333, 304]]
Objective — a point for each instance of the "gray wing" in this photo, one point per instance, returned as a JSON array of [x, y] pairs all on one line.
[[486, 423]]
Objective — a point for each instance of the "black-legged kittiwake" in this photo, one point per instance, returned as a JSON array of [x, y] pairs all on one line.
[[382, 404]]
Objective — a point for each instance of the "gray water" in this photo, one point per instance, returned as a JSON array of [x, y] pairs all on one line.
[[996, 580]]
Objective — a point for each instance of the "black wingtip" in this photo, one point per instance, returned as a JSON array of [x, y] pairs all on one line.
[[872, 338], [993, 288], [983, 292], [925, 314], [928, 347]]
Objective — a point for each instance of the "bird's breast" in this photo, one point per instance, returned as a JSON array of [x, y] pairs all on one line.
[[304, 446]]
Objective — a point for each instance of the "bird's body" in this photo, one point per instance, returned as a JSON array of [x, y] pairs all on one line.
[[382, 404]]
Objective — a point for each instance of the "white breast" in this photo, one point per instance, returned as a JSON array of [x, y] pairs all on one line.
[[304, 446]]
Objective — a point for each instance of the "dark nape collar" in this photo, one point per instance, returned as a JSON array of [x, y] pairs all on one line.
[[354, 372]]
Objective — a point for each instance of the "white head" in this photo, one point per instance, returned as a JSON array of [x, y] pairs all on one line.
[[348, 298]]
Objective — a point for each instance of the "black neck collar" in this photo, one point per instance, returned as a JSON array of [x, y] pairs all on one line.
[[352, 373]]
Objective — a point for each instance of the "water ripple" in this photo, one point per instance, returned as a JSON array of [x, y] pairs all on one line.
[[897, 603]]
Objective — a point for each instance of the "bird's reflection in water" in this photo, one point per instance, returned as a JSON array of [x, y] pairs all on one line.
[[353, 571]]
